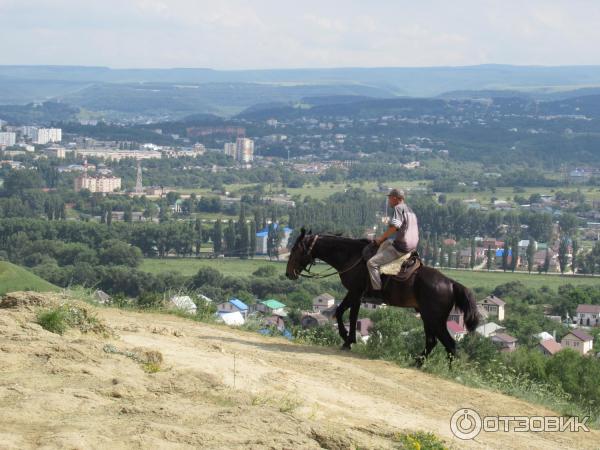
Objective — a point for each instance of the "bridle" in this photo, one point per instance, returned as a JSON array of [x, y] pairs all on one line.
[[323, 274]]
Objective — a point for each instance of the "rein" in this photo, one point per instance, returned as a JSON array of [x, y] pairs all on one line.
[[324, 274]]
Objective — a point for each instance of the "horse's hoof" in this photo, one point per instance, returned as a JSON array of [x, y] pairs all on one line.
[[346, 347]]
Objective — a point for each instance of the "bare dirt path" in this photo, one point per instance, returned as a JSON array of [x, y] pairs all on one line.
[[68, 392]]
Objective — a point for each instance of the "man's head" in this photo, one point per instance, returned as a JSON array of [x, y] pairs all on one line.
[[395, 196]]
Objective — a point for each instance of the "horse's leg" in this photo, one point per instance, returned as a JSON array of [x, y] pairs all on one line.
[[430, 342], [353, 317], [339, 315], [448, 342]]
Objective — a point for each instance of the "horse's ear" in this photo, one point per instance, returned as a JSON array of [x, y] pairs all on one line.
[[310, 231]]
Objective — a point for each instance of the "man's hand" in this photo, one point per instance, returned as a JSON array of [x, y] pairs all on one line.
[[378, 241]]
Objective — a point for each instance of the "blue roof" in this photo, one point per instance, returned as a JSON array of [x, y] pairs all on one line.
[[265, 231], [238, 304]]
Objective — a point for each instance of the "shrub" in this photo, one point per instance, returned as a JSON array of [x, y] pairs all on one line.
[[58, 320], [54, 320]]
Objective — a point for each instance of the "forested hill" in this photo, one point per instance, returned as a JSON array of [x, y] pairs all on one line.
[[467, 104]]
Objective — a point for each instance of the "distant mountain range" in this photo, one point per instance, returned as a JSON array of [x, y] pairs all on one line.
[[176, 93]]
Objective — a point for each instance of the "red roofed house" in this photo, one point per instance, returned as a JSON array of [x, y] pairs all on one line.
[[549, 347], [457, 316], [579, 341], [588, 315], [494, 306], [456, 331], [506, 342], [449, 242]]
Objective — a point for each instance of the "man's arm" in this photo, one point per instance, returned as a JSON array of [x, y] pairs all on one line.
[[390, 231]]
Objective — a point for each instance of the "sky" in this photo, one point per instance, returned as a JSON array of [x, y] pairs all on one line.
[[268, 34]]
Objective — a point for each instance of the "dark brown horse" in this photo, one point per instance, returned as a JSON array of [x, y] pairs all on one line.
[[429, 292]]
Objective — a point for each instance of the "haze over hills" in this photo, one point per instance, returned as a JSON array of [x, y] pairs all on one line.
[[178, 92]]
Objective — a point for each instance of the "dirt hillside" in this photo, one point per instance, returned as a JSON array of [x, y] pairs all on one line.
[[110, 389]]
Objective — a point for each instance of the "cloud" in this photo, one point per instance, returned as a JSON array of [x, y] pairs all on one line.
[[233, 34]]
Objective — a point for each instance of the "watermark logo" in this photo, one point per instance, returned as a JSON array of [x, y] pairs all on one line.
[[467, 423]]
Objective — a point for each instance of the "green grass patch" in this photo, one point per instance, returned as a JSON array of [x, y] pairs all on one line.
[[227, 266], [508, 193], [54, 320], [472, 279], [14, 278], [419, 440], [489, 280], [58, 320]]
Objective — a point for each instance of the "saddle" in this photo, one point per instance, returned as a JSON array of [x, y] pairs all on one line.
[[403, 271], [396, 270]]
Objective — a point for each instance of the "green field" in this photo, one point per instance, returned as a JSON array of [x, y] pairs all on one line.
[[508, 193], [15, 278], [490, 280], [323, 190], [472, 279], [190, 266]]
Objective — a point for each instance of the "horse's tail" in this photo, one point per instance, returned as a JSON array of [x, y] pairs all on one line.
[[465, 300]]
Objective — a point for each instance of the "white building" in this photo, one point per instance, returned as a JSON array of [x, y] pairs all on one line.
[[29, 132], [579, 341], [322, 302], [57, 152], [97, 183], [117, 155], [245, 150], [494, 306], [230, 149], [184, 303], [8, 138], [588, 315], [46, 135]]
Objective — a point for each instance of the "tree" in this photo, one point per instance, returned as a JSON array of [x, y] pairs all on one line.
[[547, 261], [489, 258], [198, 235], [151, 211], [271, 237], [217, 237], [17, 181], [575, 246], [265, 271], [515, 254], [207, 276], [563, 250], [505, 256], [568, 223], [127, 214], [472, 258], [252, 239], [230, 237], [244, 247], [119, 253], [530, 254]]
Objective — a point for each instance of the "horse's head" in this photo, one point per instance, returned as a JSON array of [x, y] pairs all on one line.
[[300, 255]]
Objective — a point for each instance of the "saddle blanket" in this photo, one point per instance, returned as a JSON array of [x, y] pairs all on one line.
[[403, 268], [395, 266]]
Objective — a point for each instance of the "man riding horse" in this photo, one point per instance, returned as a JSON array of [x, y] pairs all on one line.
[[428, 291], [403, 226]]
